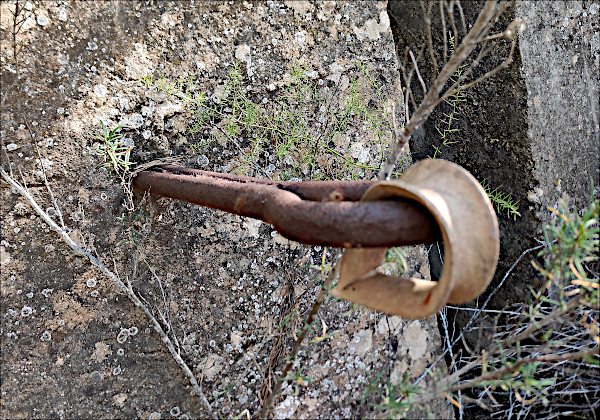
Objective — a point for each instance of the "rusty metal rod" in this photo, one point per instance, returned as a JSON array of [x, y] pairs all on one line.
[[325, 213]]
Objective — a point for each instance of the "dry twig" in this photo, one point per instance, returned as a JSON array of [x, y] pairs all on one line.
[[436, 94], [116, 280], [292, 358]]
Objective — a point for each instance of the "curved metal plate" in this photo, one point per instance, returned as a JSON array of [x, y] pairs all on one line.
[[469, 228]]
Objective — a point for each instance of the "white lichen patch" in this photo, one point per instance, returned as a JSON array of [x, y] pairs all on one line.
[[119, 399], [360, 152], [252, 226], [62, 15], [415, 340], [210, 366], [4, 256], [300, 7], [361, 342], [287, 407], [136, 120], [44, 164], [138, 63], [536, 195], [43, 20], [372, 28], [100, 91], [242, 53], [122, 336]]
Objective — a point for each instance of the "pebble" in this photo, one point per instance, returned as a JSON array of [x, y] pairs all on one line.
[[100, 91]]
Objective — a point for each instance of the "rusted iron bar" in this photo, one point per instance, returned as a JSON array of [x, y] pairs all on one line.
[[326, 213]]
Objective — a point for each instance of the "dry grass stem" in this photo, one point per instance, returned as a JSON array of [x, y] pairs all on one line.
[[292, 358]]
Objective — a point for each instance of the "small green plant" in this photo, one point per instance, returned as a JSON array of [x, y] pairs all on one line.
[[324, 336], [562, 316], [395, 398], [371, 385], [134, 230], [395, 261], [225, 391], [572, 242], [292, 315], [113, 150], [453, 101], [297, 379], [300, 124], [503, 201]]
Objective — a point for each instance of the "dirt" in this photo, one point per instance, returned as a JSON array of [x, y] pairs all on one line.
[[73, 346]]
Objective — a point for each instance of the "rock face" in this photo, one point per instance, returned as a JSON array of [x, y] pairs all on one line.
[[531, 130], [73, 346], [560, 54]]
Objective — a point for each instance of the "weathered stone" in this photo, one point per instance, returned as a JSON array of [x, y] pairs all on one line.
[[560, 54], [79, 348]]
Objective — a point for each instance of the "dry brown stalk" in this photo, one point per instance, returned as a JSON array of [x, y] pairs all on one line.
[[292, 358], [435, 95]]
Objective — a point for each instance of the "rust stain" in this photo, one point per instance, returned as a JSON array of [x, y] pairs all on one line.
[[427, 299]]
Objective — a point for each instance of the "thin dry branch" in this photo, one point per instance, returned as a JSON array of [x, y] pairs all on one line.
[[450, 10], [427, 18], [460, 55], [514, 338], [17, 24], [462, 16], [456, 87], [444, 32], [416, 67], [406, 91], [292, 358], [117, 281], [37, 149], [439, 388]]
